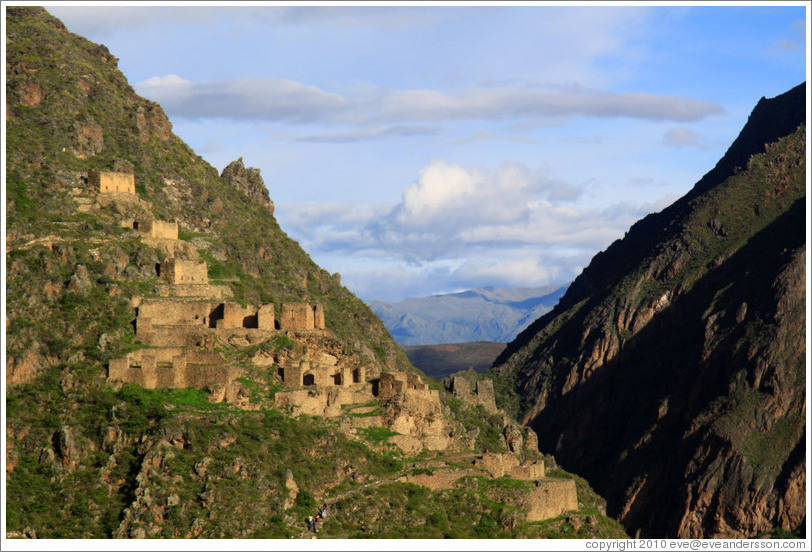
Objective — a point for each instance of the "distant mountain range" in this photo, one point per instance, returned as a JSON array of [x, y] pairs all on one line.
[[480, 314]]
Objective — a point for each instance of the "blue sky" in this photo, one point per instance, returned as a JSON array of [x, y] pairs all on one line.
[[426, 149]]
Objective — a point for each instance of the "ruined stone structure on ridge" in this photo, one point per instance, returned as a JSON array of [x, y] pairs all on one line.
[[482, 393], [154, 228], [413, 411], [546, 498], [172, 367], [173, 326], [326, 373], [301, 316], [112, 182], [404, 384], [178, 271]]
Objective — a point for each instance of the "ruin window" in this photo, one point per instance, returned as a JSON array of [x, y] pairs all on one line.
[[250, 321], [135, 225], [309, 379], [356, 376], [337, 378], [281, 373]]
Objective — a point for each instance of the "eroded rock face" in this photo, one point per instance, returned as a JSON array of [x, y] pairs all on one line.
[[248, 181], [31, 94], [88, 138], [151, 119]]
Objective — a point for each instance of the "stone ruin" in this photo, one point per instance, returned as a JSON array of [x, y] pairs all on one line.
[[106, 182], [546, 498], [175, 327], [154, 228], [482, 393], [171, 367], [326, 373], [398, 400], [301, 316], [179, 271]]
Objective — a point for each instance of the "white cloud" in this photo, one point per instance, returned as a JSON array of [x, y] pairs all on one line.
[[504, 104], [372, 133], [505, 226], [281, 99], [682, 137], [103, 20], [246, 99]]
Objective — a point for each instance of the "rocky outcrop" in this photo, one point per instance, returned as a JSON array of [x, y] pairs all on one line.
[[248, 181], [152, 120], [88, 138], [677, 357]]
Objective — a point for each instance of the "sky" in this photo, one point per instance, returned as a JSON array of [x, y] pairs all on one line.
[[423, 149]]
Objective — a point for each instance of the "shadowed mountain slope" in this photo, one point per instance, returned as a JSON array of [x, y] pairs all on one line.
[[672, 372]]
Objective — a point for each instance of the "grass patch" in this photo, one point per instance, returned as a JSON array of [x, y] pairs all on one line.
[[376, 435]]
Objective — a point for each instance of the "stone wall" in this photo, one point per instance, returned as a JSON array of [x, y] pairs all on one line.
[[171, 367], [529, 471], [301, 316], [190, 314], [196, 291], [551, 498], [323, 402], [483, 392], [174, 312], [152, 228], [296, 316], [440, 479], [112, 182], [308, 374], [497, 464], [178, 271], [265, 317]]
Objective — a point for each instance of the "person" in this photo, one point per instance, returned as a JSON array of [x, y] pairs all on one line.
[[310, 523], [324, 510]]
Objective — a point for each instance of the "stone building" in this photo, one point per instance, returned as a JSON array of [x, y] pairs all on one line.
[[306, 374], [301, 316], [482, 393], [178, 271], [153, 228], [112, 182]]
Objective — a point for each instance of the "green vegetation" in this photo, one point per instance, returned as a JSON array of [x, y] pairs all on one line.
[[376, 435], [476, 418]]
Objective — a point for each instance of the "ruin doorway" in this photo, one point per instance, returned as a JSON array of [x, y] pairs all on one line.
[[217, 314], [356, 375], [308, 379]]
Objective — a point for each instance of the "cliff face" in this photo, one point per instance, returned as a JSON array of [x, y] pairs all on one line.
[[671, 374]]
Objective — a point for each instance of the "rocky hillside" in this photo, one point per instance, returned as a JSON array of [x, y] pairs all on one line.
[[671, 375], [439, 361], [178, 367], [481, 314]]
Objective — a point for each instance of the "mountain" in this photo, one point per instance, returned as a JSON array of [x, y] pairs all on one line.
[[671, 374], [481, 314], [178, 367], [439, 361]]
